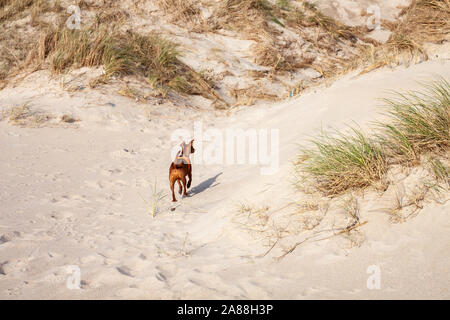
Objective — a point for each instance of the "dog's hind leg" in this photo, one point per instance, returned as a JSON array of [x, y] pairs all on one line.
[[184, 184], [172, 183], [180, 188]]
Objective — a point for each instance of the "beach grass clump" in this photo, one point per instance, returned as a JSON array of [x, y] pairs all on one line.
[[416, 124], [339, 161], [419, 122], [120, 53]]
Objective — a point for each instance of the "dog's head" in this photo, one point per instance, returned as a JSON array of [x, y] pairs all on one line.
[[187, 148]]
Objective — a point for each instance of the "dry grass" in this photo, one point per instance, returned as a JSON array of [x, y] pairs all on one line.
[[407, 205], [350, 232], [11, 8], [24, 116], [101, 44], [268, 55], [156, 198], [311, 213], [423, 21], [426, 21], [113, 16], [309, 16], [249, 95], [247, 16], [254, 20], [327, 45], [19, 40], [181, 11], [253, 218], [151, 56], [12, 49]]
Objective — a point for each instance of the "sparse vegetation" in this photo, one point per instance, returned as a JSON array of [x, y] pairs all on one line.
[[151, 56], [248, 96], [11, 8], [422, 21], [24, 116], [287, 35], [156, 197], [180, 11], [68, 118]]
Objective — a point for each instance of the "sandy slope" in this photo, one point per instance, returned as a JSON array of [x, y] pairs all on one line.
[[71, 196]]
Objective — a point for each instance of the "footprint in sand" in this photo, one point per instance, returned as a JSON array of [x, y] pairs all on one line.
[[4, 239], [125, 270], [69, 200], [9, 236], [123, 154], [161, 277], [111, 172], [14, 266], [3, 268]]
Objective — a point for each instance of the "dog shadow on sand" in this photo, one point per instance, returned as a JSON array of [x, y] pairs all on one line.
[[208, 183]]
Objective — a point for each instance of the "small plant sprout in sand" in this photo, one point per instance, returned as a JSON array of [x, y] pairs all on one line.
[[157, 196]]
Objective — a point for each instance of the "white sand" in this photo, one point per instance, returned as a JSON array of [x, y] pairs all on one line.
[[70, 196]]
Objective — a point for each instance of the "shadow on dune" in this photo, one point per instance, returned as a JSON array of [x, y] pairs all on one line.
[[209, 183]]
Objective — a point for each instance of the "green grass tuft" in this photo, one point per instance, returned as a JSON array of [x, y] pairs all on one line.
[[343, 161], [418, 123]]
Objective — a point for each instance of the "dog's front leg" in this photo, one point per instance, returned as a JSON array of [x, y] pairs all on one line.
[[183, 180]]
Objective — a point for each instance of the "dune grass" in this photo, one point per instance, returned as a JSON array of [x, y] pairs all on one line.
[[311, 16], [418, 123], [120, 53], [99, 43], [328, 46], [339, 162]]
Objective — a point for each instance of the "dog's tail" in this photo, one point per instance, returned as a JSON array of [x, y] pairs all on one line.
[[178, 162]]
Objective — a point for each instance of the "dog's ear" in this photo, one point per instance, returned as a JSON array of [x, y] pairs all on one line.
[[192, 142]]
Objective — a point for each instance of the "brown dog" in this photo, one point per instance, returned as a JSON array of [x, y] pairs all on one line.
[[181, 168]]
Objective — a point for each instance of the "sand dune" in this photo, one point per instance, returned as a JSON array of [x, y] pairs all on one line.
[[70, 195]]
